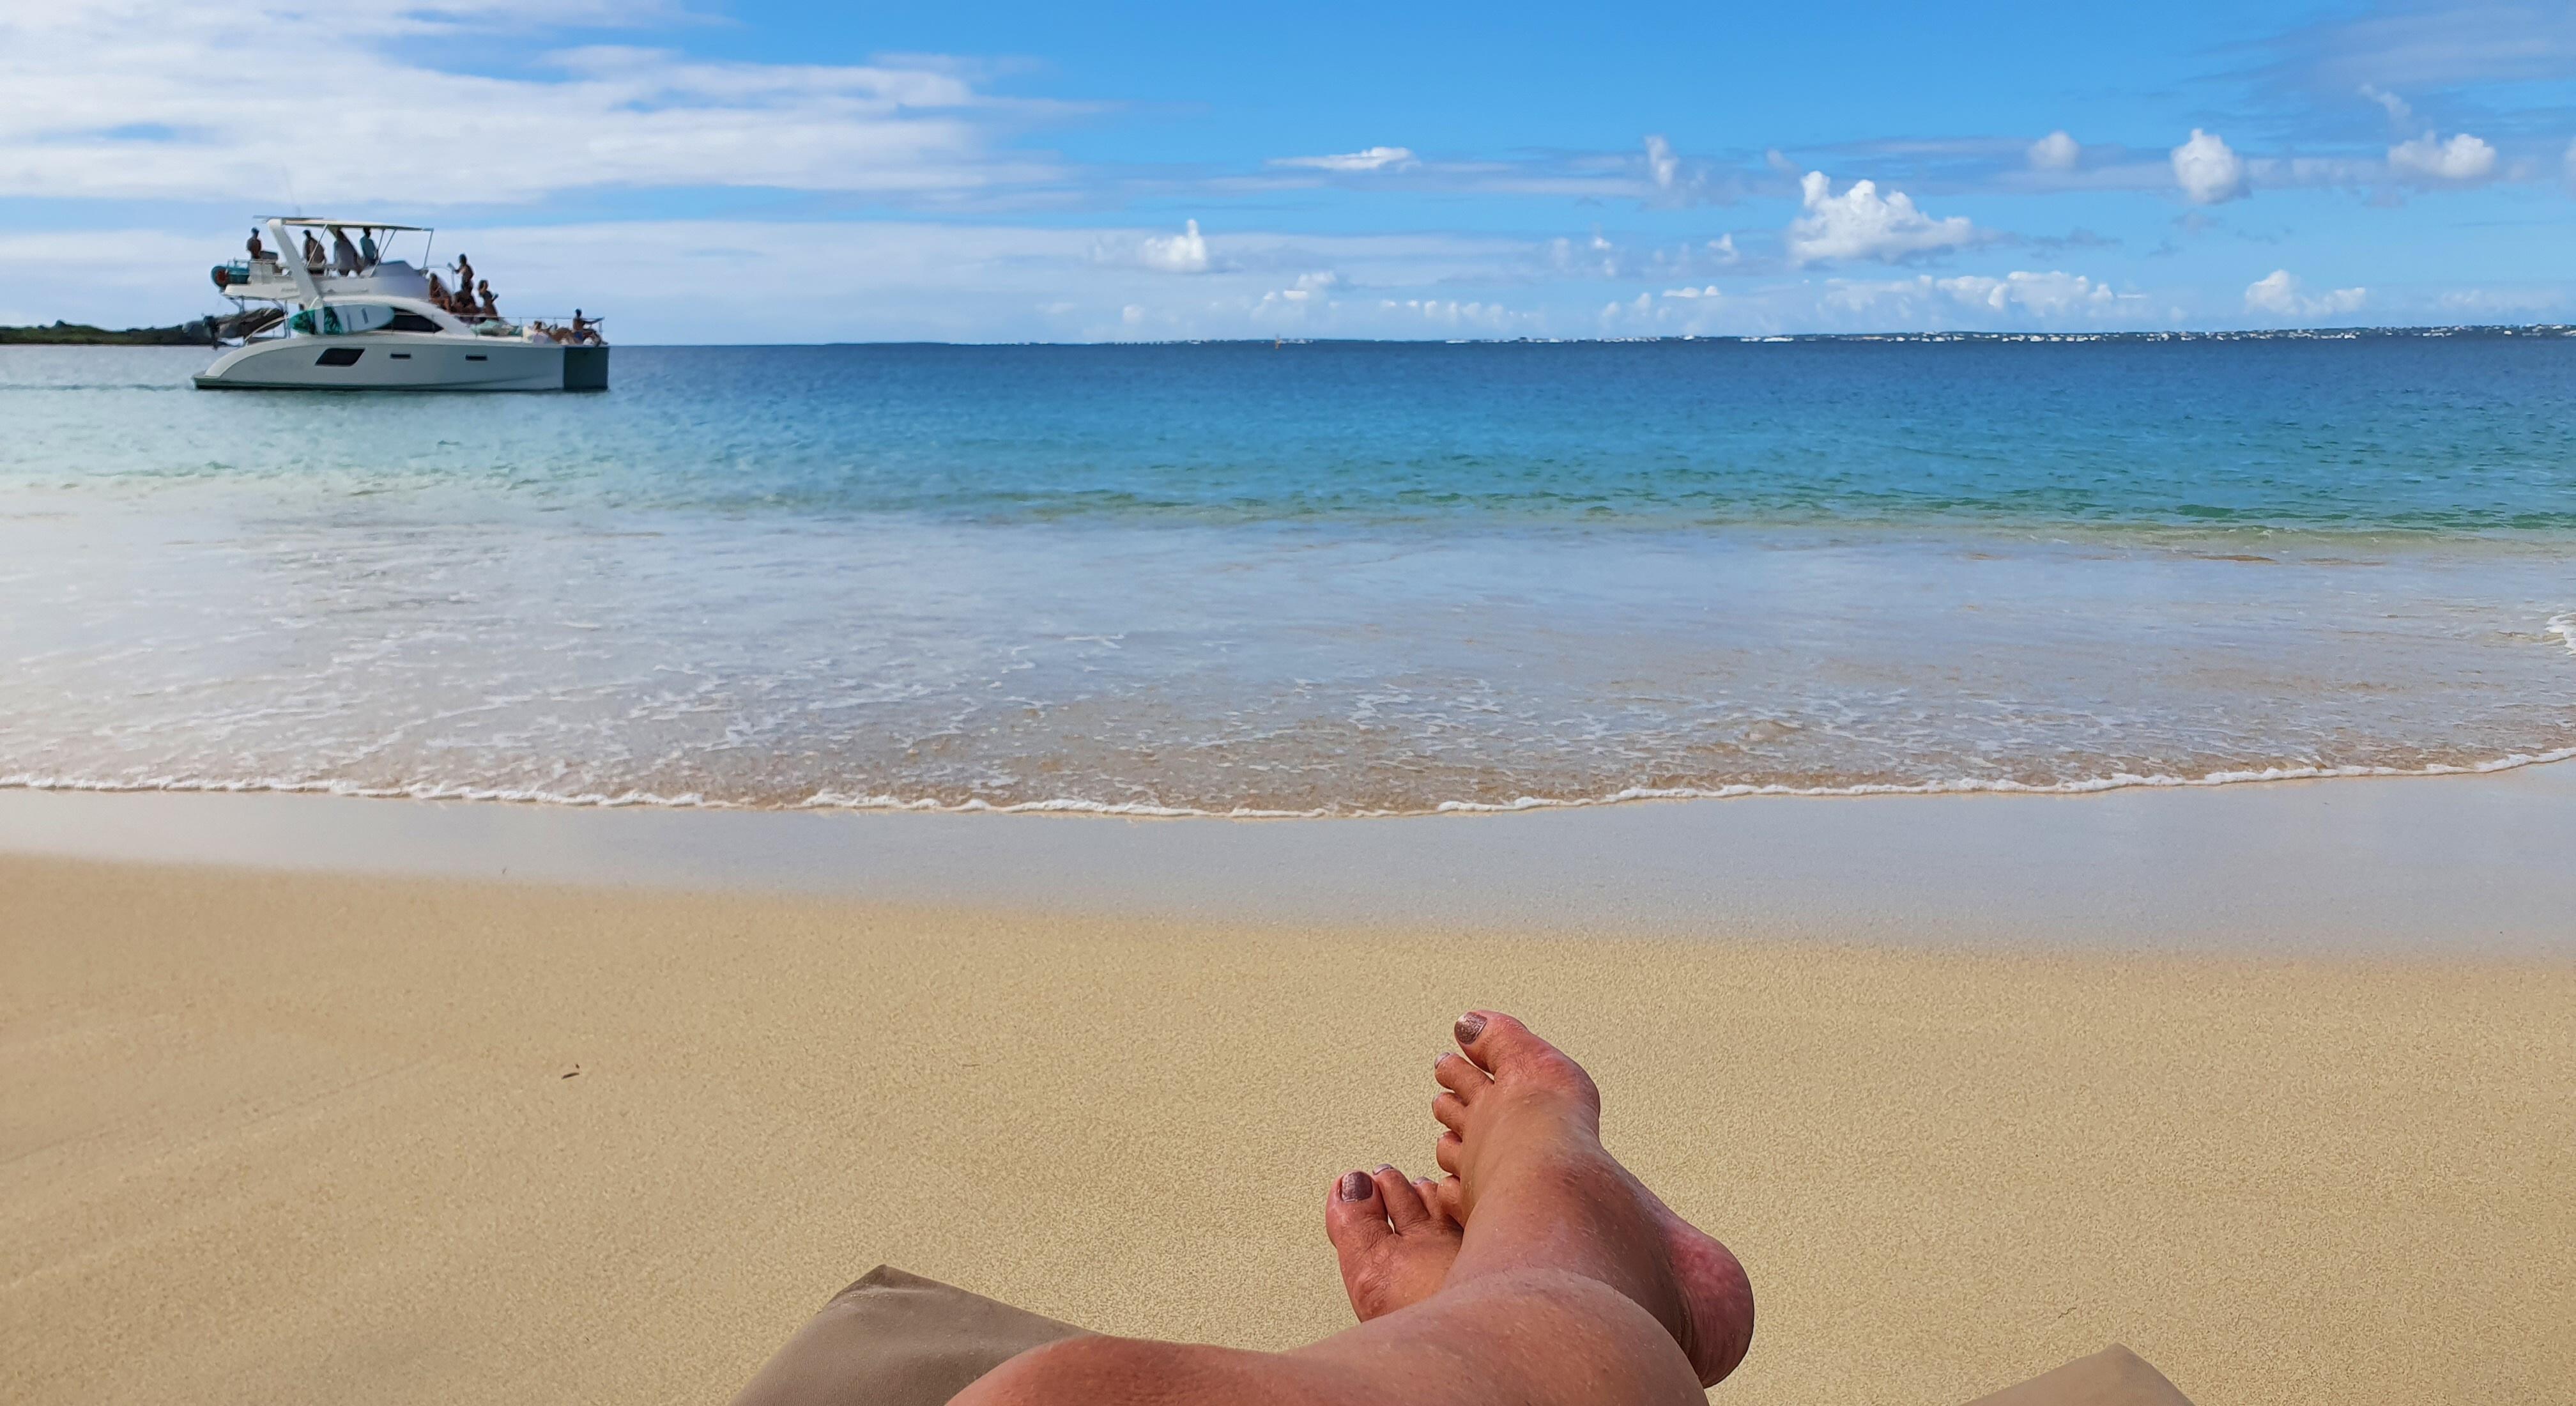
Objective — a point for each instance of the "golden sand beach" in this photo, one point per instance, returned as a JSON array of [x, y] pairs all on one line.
[[328, 1137]]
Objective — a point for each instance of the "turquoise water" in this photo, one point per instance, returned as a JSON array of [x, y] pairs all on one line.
[[1331, 578]]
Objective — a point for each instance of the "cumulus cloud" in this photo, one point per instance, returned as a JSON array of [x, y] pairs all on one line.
[[1708, 292], [2278, 293], [2459, 161], [2207, 170], [2493, 302], [1661, 163], [2051, 294], [2020, 298], [1450, 312], [1723, 249], [2055, 152], [146, 99], [1376, 158], [1186, 252], [1862, 224]]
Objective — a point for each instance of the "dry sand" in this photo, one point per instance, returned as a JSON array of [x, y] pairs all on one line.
[[316, 1138]]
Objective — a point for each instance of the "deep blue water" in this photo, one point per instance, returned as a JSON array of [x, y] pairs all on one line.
[[1331, 577]]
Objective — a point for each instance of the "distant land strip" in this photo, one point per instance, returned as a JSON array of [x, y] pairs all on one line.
[[204, 331]]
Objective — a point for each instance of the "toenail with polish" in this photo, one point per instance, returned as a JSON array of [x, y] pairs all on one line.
[[1355, 1186], [1470, 1026], [1386, 1166]]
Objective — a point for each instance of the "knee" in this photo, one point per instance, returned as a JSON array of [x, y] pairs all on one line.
[[1095, 1369]]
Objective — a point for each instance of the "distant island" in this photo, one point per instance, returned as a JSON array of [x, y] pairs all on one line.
[[204, 331]]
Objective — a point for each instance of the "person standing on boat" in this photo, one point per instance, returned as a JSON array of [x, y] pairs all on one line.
[[464, 279], [314, 258], [344, 255], [368, 256]]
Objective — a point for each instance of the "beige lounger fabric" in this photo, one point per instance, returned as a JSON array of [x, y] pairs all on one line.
[[897, 1339], [2114, 1376]]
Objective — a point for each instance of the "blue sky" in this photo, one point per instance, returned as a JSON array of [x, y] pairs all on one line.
[[762, 171]]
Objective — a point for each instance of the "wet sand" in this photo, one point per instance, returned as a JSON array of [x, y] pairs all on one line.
[[306, 1135]]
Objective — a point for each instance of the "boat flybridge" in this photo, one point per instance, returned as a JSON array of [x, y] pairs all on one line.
[[367, 322]]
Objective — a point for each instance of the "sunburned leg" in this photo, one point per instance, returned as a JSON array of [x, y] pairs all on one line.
[[1524, 1140], [1532, 1338], [1571, 1284]]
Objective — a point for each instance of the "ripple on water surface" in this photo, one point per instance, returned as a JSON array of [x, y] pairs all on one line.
[[1322, 580]]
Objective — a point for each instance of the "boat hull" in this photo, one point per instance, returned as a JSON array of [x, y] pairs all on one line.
[[406, 361]]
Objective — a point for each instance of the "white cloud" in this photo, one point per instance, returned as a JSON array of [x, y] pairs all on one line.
[[2490, 302], [148, 99], [2400, 115], [2208, 172], [1451, 313], [1708, 292], [1376, 158], [2017, 299], [2046, 295], [2460, 160], [2055, 152], [2278, 293], [1723, 248], [1860, 224], [1661, 162], [1186, 252]]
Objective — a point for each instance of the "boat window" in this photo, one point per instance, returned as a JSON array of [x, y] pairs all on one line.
[[340, 356], [410, 322], [339, 319]]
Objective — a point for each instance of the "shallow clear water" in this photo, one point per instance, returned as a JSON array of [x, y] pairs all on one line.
[[1331, 578]]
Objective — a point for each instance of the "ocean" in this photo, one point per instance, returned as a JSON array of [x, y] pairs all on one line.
[[1326, 579]]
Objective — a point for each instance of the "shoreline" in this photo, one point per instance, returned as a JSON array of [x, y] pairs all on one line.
[[831, 802], [2431, 865]]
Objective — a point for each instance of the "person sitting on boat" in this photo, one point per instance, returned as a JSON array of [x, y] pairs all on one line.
[[368, 256], [438, 297], [314, 259], [258, 251], [344, 255], [490, 308], [583, 334]]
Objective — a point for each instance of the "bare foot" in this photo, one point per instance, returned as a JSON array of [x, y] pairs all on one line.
[[1395, 1242], [1513, 1098]]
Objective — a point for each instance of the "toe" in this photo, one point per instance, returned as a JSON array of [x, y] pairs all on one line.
[[1460, 1077], [1355, 1217], [1497, 1042], [1447, 1196], [1451, 1111], [1507, 1049], [1449, 1152], [1403, 1203]]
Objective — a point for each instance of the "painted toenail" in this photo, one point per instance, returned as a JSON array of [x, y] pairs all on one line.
[[1386, 1166], [1355, 1186], [1470, 1026]]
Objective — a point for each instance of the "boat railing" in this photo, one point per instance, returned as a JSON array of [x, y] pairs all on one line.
[[560, 330]]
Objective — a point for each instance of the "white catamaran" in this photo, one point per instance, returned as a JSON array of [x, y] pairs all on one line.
[[359, 321]]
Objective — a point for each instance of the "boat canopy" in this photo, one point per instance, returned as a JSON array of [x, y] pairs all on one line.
[[301, 222]]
